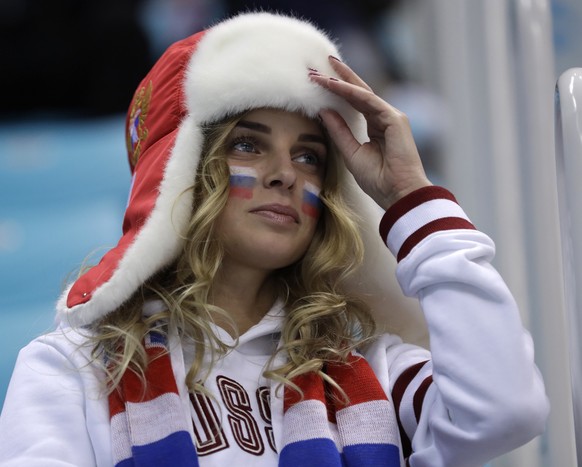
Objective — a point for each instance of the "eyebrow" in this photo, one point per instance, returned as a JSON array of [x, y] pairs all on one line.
[[254, 126], [262, 128]]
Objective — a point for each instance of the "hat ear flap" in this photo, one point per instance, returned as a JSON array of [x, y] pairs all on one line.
[[253, 60]]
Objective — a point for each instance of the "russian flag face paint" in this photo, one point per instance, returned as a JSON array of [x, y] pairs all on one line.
[[242, 181], [311, 203]]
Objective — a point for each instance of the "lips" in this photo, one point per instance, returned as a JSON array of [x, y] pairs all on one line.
[[277, 211]]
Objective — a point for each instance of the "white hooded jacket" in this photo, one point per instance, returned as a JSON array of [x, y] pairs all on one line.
[[476, 395]]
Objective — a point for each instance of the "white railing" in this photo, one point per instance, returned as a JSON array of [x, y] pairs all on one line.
[[569, 177]]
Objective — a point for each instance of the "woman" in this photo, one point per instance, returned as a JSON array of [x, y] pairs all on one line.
[[227, 324]]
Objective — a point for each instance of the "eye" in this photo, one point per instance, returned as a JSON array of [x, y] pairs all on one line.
[[309, 158], [244, 144]]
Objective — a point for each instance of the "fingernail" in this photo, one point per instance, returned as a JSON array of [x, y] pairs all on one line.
[[314, 73], [335, 58], [313, 69], [333, 79]]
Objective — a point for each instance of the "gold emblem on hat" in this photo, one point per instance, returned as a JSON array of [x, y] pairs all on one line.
[[137, 132]]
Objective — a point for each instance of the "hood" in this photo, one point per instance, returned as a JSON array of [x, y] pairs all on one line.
[[249, 61]]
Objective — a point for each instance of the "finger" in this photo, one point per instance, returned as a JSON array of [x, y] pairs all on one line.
[[363, 100], [347, 74], [340, 133]]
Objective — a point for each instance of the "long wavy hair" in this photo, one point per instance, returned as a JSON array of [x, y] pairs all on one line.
[[322, 323]]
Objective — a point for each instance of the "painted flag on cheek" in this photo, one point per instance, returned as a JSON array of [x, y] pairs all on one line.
[[311, 203], [242, 181]]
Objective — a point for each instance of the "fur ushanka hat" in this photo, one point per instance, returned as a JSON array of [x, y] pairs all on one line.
[[250, 61]]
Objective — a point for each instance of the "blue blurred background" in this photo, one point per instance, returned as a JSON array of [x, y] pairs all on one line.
[[62, 189]]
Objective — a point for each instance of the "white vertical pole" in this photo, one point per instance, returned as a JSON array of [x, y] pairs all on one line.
[[569, 172], [482, 161], [505, 186], [504, 196]]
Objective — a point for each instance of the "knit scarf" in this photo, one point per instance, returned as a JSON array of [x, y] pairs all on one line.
[[149, 427]]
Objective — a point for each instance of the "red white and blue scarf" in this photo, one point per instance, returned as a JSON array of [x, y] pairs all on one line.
[[149, 427]]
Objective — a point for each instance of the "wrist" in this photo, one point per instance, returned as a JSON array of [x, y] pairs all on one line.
[[397, 193], [417, 215]]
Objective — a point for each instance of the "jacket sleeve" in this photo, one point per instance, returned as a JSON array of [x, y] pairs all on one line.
[[43, 421], [478, 394]]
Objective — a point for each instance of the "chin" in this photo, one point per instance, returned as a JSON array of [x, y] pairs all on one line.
[[274, 262], [271, 259]]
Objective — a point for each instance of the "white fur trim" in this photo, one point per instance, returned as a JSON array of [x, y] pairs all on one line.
[[229, 74], [159, 240]]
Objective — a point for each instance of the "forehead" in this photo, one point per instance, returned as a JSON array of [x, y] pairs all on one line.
[[284, 121]]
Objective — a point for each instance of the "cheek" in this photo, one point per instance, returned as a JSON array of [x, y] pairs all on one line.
[[311, 205], [242, 182]]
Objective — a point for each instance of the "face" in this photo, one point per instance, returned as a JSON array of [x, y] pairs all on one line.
[[277, 163]]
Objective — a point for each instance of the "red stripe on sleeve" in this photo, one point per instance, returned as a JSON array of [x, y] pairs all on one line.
[[398, 391], [418, 398], [445, 223], [409, 202]]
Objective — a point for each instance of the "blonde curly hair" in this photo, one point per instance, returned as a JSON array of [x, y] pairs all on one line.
[[322, 323]]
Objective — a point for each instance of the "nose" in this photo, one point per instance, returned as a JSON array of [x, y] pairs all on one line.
[[280, 172]]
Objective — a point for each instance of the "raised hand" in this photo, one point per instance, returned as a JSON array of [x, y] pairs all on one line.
[[388, 166]]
